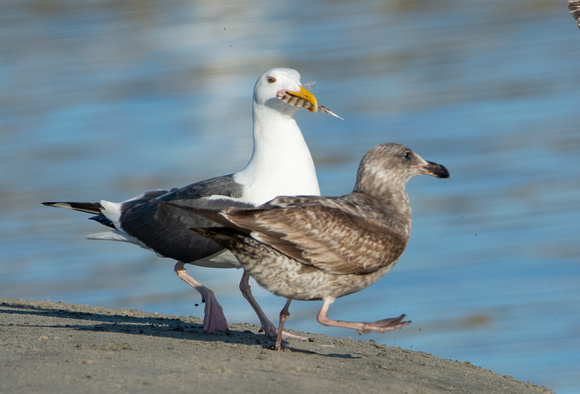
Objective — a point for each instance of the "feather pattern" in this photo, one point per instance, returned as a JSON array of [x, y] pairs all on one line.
[[296, 101], [355, 245], [315, 247]]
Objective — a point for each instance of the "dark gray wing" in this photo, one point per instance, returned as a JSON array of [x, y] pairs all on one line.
[[167, 230]]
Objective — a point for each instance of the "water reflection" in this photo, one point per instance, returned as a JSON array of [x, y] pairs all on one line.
[[105, 100]]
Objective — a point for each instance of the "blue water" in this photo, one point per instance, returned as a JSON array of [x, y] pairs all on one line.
[[106, 100]]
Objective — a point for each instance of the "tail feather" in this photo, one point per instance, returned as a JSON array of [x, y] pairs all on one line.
[[94, 208]]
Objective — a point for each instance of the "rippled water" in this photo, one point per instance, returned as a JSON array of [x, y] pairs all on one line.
[[107, 99]]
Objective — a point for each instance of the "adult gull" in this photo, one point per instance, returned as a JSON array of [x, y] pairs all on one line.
[[323, 248], [280, 164]]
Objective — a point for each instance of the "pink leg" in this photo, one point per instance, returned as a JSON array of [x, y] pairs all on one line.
[[214, 318], [283, 316], [246, 290], [267, 325], [378, 326]]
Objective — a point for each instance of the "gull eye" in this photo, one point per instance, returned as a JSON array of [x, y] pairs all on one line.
[[408, 155], [271, 79]]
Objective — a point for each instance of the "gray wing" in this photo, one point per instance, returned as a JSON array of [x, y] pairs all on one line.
[[167, 229]]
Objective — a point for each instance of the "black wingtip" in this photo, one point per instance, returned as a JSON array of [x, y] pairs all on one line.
[[203, 231], [174, 205], [210, 214], [225, 236]]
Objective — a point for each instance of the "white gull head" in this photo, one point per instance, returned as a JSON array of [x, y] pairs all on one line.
[[281, 163]]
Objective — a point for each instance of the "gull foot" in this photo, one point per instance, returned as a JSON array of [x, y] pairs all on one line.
[[272, 331], [383, 325], [214, 318]]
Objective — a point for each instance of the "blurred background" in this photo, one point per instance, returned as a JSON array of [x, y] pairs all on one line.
[[106, 99]]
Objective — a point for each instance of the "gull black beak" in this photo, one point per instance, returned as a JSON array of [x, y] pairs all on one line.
[[435, 169]]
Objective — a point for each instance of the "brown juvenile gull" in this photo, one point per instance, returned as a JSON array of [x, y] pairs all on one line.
[[281, 164], [322, 248]]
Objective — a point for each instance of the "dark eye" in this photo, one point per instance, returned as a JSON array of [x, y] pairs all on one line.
[[408, 155], [271, 79]]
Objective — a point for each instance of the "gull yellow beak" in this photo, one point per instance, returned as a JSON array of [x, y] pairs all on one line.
[[306, 95]]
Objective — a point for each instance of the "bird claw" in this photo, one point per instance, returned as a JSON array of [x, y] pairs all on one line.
[[272, 331], [287, 335]]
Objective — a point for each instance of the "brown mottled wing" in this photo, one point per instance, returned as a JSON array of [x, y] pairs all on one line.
[[324, 236], [574, 8]]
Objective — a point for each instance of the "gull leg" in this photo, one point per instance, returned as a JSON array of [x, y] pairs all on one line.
[[267, 325], [214, 318], [283, 316], [362, 327], [246, 290]]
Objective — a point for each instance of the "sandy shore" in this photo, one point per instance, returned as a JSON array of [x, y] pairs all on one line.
[[55, 347]]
